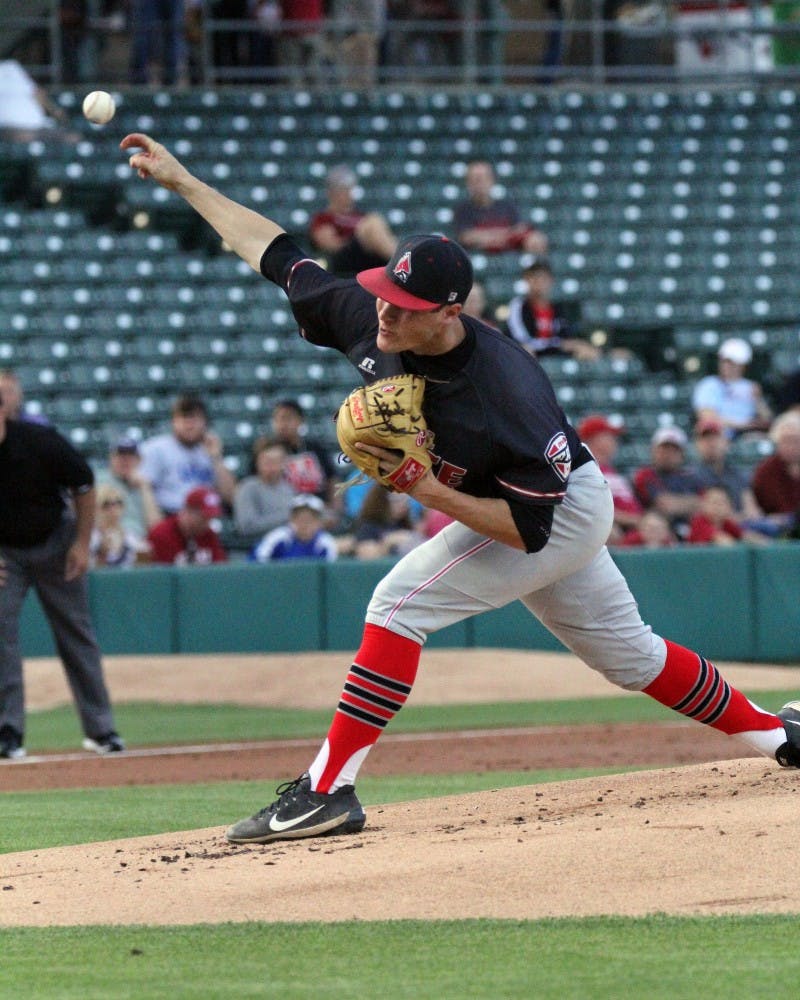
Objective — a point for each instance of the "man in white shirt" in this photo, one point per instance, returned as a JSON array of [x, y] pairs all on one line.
[[25, 109], [187, 456], [730, 398]]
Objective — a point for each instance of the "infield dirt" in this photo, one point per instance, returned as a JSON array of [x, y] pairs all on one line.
[[709, 837]]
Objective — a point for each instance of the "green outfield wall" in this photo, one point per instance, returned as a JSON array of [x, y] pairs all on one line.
[[740, 603]]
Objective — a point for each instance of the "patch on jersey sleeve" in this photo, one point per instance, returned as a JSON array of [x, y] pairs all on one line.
[[558, 455]]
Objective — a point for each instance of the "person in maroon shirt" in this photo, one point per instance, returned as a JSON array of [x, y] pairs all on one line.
[[492, 225], [187, 538], [776, 480], [351, 239], [652, 532], [715, 522]]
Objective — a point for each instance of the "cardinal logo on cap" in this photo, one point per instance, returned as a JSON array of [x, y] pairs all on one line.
[[402, 269]]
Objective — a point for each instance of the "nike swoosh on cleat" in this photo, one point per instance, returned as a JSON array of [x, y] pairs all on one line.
[[792, 722], [279, 825]]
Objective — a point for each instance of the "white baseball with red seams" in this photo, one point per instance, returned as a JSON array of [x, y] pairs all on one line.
[[99, 107]]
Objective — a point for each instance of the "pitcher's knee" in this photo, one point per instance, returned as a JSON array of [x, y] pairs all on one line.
[[631, 666]]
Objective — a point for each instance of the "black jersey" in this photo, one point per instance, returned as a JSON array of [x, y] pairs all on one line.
[[498, 429], [36, 466]]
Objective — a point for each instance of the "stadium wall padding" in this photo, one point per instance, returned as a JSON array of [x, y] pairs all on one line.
[[739, 603]]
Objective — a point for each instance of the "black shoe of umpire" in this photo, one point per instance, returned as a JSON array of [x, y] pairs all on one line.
[[108, 743], [11, 747]]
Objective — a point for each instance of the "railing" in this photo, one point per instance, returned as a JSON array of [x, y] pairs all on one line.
[[688, 42]]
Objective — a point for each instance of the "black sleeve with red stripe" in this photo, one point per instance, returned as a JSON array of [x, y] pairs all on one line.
[[331, 312]]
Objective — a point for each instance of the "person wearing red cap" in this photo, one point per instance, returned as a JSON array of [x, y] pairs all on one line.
[[531, 509], [187, 538], [601, 437]]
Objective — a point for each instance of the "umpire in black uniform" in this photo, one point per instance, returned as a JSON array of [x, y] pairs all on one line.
[[44, 543]]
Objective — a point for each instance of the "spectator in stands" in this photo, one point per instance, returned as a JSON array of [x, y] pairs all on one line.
[[14, 398], [776, 480], [432, 522], [231, 48], [538, 323], [309, 467], [668, 484], [728, 396], [652, 532], [788, 393], [73, 16], [360, 25], [302, 44], [264, 501], [385, 525], [424, 48], [25, 109], [111, 544], [715, 521], [157, 41], [715, 468], [482, 222], [553, 48], [140, 510], [602, 438], [188, 538], [188, 455], [351, 240], [267, 16], [302, 538], [476, 305]]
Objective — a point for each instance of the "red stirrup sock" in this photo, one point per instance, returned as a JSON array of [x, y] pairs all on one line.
[[376, 688], [693, 686]]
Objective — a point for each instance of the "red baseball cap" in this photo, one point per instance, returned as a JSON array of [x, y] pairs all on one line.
[[204, 499], [596, 424], [425, 272], [708, 425]]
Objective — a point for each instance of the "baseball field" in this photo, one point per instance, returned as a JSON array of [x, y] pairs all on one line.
[[531, 832]]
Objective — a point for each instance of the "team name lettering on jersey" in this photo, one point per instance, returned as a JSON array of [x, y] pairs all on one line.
[[558, 455], [447, 473]]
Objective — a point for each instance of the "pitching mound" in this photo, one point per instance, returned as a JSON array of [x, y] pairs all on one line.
[[710, 838]]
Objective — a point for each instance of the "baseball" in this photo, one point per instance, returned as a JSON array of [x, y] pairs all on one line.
[[99, 107]]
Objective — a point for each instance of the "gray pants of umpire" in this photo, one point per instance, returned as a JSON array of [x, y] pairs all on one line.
[[66, 605]]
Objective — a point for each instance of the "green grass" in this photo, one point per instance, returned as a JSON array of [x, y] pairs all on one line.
[[146, 723], [661, 958], [37, 820]]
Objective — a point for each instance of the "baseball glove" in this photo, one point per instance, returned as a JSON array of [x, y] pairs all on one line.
[[387, 414]]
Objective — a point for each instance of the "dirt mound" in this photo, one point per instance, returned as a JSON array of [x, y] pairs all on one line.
[[710, 838]]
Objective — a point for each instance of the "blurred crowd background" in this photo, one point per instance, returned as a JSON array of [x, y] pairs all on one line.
[[625, 176]]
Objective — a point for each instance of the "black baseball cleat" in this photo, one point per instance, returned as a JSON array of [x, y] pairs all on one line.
[[788, 755], [11, 747], [107, 743], [299, 812]]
